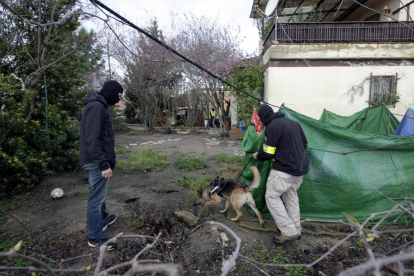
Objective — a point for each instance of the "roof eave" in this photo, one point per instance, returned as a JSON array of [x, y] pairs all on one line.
[[262, 4]]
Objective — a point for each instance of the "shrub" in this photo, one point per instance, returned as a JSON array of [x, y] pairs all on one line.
[[122, 150], [27, 150], [30, 149], [189, 163]]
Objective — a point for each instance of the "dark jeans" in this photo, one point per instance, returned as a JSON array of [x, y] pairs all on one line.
[[96, 209]]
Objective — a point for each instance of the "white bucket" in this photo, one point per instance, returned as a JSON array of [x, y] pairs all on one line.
[[205, 123]]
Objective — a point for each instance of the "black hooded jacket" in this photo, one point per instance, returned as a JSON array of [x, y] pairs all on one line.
[[285, 142], [97, 143]]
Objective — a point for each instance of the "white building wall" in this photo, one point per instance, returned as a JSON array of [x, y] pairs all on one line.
[[308, 90]]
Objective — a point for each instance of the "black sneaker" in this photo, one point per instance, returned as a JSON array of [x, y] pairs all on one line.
[[99, 242], [111, 219]]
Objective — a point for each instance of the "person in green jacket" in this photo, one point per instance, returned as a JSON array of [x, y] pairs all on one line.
[[213, 116]]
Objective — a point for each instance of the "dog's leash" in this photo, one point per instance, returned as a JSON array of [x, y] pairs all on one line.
[[245, 167]]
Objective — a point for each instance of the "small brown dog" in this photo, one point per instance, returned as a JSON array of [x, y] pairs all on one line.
[[234, 191]]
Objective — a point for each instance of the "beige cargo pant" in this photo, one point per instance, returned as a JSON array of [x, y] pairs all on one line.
[[287, 219]]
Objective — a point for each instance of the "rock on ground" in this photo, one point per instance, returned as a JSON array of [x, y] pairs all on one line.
[[187, 217]]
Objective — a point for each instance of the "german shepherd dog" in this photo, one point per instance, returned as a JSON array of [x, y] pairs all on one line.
[[234, 191]]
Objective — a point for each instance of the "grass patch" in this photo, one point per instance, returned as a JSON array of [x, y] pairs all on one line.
[[133, 220], [10, 204], [280, 256], [193, 183], [7, 241], [225, 158], [189, 163], [122, 150], [144, 160], [82, 193]]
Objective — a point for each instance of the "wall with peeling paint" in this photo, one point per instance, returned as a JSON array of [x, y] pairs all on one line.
[[341, 85]]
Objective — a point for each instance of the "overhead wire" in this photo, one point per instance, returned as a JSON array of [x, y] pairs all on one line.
[[171, 50], [208, 72], [291, 40], [337, 9], [123, 44]]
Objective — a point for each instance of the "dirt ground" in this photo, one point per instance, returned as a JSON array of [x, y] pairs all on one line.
[[57, 228]]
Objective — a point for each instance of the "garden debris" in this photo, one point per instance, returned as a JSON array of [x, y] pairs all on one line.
[[187, 217], [224, 239], [225, 263], [160, 223], [212, 142], [203, 248], [161, 220], [160, 142]]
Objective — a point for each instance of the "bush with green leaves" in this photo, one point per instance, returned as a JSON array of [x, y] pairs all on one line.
[[249, 78], [27, 150], [144, 160], [122, 150], [59, 58], [189, 163]]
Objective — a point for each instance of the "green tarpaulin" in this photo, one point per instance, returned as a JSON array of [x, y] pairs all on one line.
[[376, 120], [339, 183]]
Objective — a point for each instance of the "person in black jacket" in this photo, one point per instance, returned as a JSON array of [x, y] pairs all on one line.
[[286, 143], [97, 157]]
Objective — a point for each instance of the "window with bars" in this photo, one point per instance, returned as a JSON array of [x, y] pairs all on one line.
[[383, 89]]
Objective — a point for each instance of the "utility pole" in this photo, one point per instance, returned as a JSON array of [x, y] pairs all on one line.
[[109, 59]]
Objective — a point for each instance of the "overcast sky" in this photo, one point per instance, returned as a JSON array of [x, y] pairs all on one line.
[[237, 11]]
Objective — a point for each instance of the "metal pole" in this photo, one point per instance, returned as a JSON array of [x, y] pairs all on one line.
[[47, 104], [276, 27]]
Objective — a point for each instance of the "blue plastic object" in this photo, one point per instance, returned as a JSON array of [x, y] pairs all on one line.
[[406, 127], [241, 126]]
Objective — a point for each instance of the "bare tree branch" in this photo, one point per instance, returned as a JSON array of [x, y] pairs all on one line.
[[33, 23], [14, 216], [362, 269], [13, 254]]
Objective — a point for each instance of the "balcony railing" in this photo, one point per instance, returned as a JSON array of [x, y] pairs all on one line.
[[341, 32]]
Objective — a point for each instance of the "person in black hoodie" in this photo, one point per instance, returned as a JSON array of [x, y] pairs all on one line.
[[286, 143], [97, 157]]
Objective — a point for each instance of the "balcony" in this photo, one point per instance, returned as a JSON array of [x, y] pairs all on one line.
[[340, 32]]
